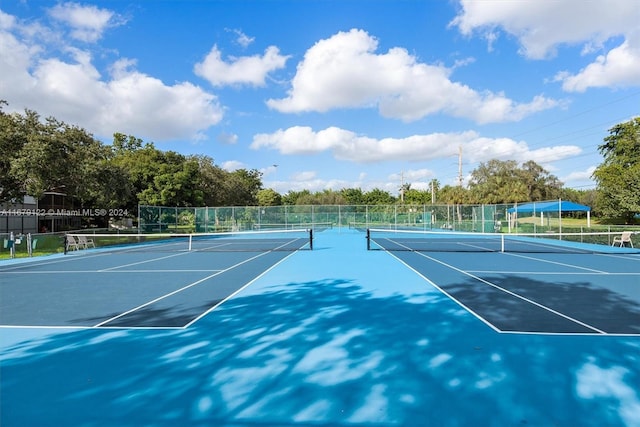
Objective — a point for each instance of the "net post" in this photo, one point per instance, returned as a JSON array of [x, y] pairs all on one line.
[[311, 239], [502, 243], [64, 244], [190, 241], [12, 245], [368, 239]]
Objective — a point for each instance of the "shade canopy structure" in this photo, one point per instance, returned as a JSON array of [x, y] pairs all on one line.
[[549, 206]]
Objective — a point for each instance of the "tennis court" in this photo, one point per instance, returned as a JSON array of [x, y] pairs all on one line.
[[337, 335]]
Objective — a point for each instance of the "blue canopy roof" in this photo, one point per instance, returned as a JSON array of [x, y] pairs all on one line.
[[550, 206]]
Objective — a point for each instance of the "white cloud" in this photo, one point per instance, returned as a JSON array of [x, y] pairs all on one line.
[[87, 22], [619, 67], [314, 184], [348, 146], [418, 178], [269, 170], [227, 138], [74, 91], [542, 26], [345, 71], [242, 39], [250, 70], [143, 103], [579, 176], [304, 176], [233, 165]]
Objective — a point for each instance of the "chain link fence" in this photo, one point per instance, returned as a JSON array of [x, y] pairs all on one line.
[[486, 218]]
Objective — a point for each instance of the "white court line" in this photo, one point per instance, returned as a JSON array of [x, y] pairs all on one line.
[[523, 298], [178, 290], [56, 261], [82, 328], [451, 297], [628, 257], [552, 273], [555, 263], [235, 293], [111, 271], [142, 262]]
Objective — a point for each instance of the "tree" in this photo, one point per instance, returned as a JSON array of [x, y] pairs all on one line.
[[57, 156], [241, 187], [505, 182], [618, 176], [379, 197], [140, 165], [417, 197], [403, 190], [297, 197], [353, 196], [541, 185], [13, 137], [122, 143], [269, 197], [328, 197], [176, 184]]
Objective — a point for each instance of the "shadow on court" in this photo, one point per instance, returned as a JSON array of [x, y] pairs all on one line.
[[547, 306], [322, 353]]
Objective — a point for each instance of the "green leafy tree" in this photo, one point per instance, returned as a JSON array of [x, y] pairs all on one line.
[[241, 187], [13, 136], [212, 179], [618, 176], [156, 177], [379, 197], [353, 196], [123, 143], [541, 185], [454, 195], [417, 197], [584, 197], [297, 197], [57, 156], [141, 164], [269, 197], [176, 184], [499, 181], [328, 197]]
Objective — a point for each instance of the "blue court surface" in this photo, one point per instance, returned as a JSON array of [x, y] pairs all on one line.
[[334, 336]]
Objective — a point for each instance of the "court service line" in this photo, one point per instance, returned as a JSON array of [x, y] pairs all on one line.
[[235, 292], [556, 263], [551, 273], [178, 290], [523, 298], [55, 261], [451, 297], [141, 262], [208, 270], [629, 257]]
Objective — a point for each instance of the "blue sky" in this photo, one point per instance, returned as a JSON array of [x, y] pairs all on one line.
[[323, 94]]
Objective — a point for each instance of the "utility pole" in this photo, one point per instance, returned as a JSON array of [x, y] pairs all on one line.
[[460, 166], [433, 192]]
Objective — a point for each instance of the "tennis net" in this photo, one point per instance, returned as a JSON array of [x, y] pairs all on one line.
[[243, 241], [315, 226], [454, 241]]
